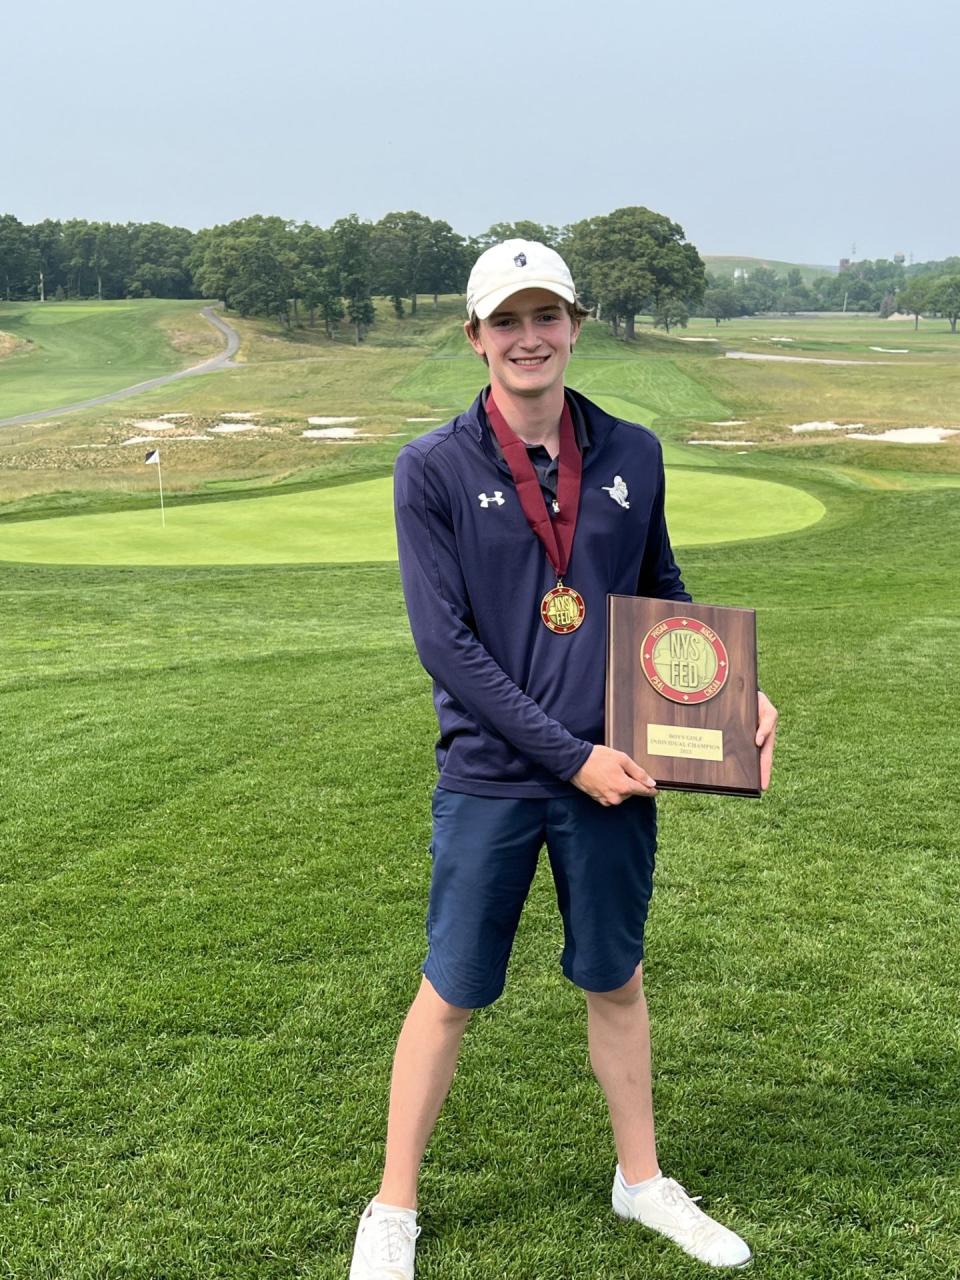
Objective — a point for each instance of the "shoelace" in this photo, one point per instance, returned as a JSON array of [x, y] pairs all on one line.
[[393, 1234], [676, 1195], [704, 1231]]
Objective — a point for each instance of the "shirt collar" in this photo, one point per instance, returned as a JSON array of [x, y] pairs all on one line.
[[581, 430]]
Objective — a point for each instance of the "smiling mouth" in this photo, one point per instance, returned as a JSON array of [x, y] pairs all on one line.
[[530, 362]]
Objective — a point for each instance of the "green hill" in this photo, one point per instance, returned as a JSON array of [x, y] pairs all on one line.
[[727, 265], [61, 352]]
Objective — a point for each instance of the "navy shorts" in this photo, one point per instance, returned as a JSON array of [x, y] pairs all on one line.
[[485, 851]]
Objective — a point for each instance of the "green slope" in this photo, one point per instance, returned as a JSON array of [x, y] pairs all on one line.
[[726, 264], [83, 349]]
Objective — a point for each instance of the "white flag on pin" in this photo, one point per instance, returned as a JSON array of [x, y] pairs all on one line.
[[154, 457]]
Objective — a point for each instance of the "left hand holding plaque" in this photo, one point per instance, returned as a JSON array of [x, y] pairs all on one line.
[[767, 717]]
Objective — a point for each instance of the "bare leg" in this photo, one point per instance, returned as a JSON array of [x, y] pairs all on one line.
[[619, 1035], [423, 1068]]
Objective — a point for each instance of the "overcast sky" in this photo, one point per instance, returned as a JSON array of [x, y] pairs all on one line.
[[789, 132]]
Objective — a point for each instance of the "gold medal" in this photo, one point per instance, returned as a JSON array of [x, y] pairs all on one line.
[[562, 610]]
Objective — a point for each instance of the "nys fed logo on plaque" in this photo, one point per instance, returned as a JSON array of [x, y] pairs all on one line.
[[684, 660]]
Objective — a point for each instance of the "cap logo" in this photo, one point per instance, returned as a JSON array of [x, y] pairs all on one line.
[[520, 260]]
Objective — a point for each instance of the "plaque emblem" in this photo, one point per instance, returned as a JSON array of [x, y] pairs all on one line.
[[562, 609], [684, 660]]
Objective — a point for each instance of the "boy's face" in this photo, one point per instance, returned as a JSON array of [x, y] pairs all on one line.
[[527, 342]]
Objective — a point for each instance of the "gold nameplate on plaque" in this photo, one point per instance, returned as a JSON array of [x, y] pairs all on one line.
[[684, 744]]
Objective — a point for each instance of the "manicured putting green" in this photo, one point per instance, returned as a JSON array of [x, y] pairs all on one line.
[[354, 522]]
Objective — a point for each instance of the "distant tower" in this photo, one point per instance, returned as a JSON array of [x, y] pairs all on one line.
[[844, 264], [899, 258]]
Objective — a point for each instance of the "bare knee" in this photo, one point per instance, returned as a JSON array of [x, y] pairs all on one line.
[[431, 1003], [630, 993]]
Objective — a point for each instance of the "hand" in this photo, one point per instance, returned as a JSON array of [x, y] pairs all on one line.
[[767, 717], [610, 777]]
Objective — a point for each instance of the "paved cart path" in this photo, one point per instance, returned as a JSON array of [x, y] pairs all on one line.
[[224, 360]]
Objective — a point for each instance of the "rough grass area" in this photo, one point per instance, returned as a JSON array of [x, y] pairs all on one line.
[[214, 866], [421, 367], [12, 345]]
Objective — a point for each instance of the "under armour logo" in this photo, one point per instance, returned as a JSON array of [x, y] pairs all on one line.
[[520, 260], [617, 491], [497, 498]]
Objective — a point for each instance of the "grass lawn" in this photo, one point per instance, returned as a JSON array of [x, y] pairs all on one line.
[[75, 350], [354, 522], [213, 847], [214, 869]]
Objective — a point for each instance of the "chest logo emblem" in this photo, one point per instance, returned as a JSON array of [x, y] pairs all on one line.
[[497, 498], [520, 260], [618, 491]]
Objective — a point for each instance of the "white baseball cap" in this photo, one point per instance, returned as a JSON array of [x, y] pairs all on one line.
[[506, 268]]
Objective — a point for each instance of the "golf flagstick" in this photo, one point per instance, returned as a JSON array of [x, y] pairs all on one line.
[[153, 459]]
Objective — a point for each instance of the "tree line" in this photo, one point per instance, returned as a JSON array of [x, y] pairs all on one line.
[[629, 262], [882, 287]]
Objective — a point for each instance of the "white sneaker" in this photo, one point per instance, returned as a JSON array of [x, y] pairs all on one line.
[[385, 1246], [664, 1206]]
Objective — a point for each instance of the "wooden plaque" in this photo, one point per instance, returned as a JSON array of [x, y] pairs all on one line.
[[682, 693]]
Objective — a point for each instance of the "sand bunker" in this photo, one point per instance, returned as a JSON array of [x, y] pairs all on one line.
[[223, 427], [154, 424], [423, 419], [764, 355], [909, 435], [245, 414], [896, 435], [338, 433], [893, 351], [329, 422], [699, 339], [728, 443], [730, 422], [173, 417]]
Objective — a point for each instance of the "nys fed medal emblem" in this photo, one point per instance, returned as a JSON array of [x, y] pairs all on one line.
[[684, 660], [562, 609]]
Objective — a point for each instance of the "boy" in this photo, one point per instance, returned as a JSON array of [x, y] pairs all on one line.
[[496, 510]]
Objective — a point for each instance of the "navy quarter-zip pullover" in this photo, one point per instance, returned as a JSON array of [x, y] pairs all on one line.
[[519, 706]]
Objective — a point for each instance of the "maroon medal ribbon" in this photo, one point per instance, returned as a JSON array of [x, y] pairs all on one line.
[[562, 609]]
